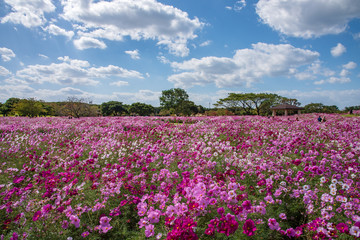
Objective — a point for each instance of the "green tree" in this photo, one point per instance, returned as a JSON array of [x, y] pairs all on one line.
[[320, 108], [29, 107], [249, 103], [141, 109], [9, 105], [348, 109], [291, 101], [173, 100], [112, 108]]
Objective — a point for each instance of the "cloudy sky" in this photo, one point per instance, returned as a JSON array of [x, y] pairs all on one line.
[[131, 50]]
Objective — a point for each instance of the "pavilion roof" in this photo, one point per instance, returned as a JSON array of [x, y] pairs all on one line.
[[286, 106]]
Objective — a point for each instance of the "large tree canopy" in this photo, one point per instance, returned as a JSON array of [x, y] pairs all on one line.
[[250, 103], [174, 99], [320, 108], [141, 109], [112, 108], [29, 107], [8, 106]]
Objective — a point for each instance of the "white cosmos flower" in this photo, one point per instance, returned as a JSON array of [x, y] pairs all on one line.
[[323, 179]]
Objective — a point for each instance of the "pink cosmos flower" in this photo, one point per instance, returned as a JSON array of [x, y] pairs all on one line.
[[47, 208], [15, 236], [249, 227], [75, 220], [85, 234], [342, 227], [37, 215], [246, 205], [153, 216], [269, 199], [105, 228], [149, 230], [282, 216], [273, 224], [104, 221], [290, 232], [355, 231]]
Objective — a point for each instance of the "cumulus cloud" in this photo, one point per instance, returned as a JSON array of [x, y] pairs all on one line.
[[56, 30], [4, 71], [28, 13], [88, 42], [313, 71], [141, 19], [133, 54], [338, 50], [350, 65], [72, 71], [244, 68], [308, 18], [6, 54], [111, 70]]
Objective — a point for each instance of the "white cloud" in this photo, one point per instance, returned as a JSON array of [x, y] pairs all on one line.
[[72, 71], [246, 67], [239, 5], [119, 83], [308, 18], [55, 30], [88, 42], [43, 56], [163, 59], [350, 65], [133, 54], [4, 71], [111, 70], [338, 50], [141, 19], [145, 96], [314, 71], [332, 80], [6, 54], [206, 43], [344, 73], [28, 13]]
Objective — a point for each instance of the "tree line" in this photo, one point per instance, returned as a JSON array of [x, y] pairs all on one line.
[[174, 101]]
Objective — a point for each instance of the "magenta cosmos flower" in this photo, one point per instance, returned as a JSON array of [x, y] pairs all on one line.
[[249, 227], [37, 215]]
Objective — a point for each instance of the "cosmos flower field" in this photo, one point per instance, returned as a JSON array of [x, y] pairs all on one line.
[[243, 177]]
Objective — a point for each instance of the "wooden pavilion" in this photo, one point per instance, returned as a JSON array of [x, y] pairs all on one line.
[[286, 107]]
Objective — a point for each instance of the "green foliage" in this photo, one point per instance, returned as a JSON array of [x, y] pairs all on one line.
[[112, 108], [176, 101], [250, 103], [29, 107], [141, 109], [320, 108], [7, 108]]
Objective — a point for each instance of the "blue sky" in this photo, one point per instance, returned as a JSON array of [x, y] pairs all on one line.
[[131, 50]]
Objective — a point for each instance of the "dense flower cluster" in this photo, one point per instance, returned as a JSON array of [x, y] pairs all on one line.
[[241, 177]]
